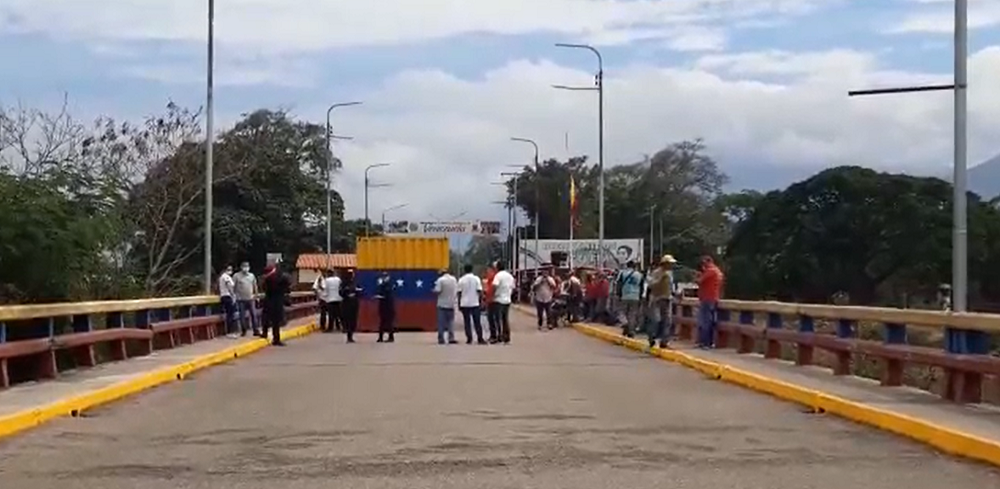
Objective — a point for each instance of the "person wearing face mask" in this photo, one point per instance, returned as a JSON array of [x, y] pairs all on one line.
[[226, 299], [245, 287]]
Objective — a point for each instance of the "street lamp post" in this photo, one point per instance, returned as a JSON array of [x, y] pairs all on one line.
[[960, 231], [209, 143], [599, 87], [390, 209], [509, 206], [538, 204], [368, 184], [329, 174], [516, 248]]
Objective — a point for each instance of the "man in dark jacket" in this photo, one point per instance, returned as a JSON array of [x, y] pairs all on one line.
[[385, 292], [277, 287], [349, 311]]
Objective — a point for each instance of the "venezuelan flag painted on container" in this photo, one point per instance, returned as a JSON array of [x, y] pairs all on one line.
[[413, 264]]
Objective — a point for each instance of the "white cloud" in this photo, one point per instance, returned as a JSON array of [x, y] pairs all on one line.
[[938, 17], [305, 25], [448, 138]]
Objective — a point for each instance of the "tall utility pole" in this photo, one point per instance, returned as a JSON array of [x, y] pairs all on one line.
[[368, 185], [538, 203], [960, 232], [329, 177], [652, 214], [516, 248], [209, 143], [599, 87]]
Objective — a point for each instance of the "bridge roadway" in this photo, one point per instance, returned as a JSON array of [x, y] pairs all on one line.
[[551, 410]]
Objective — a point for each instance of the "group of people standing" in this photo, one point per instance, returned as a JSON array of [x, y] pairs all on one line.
[[338, 302], [630, 298], [470, 294], [339, 297], [238, 294]]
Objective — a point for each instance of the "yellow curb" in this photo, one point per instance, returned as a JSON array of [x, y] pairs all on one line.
[[30, 418], [948, 440]]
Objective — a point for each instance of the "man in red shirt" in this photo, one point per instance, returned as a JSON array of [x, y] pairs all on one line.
[[709, 280], [492, 309]]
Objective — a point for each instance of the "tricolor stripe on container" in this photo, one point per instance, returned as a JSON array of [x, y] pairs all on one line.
[[415, 285], [415, 300], [410, 316]]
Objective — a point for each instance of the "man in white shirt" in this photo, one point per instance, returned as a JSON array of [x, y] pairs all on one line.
[[227, 300], [446, 288], [542, 291], [470, 299], [503, 290], [320, 297], [334, 301], [246, 299]]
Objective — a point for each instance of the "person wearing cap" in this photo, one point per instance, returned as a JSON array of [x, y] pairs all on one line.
[[661, 294], [446, 288], [350, 292], [385, 294]]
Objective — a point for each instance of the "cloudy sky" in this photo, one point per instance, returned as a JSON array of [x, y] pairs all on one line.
[[447, 82]]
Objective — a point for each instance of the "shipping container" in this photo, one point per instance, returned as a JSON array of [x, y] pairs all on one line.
[[416, 302], [411, 316], [403, 253]]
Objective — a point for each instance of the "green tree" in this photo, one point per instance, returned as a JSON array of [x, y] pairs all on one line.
[[876, 236], [681, 181], [57, 230]]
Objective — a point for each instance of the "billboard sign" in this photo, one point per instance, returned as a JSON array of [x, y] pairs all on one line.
[[438, 228], [617, 252]]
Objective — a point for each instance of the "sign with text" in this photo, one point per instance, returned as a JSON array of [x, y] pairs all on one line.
[[437, 228], [617, 252]]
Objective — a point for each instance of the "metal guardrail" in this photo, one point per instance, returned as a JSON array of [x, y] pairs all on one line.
[[769, 327], [39, 341]]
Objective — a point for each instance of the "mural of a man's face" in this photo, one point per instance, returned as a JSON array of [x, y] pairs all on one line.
[[623, 253]]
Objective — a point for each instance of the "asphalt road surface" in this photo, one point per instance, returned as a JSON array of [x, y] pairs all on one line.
[[551, 410]]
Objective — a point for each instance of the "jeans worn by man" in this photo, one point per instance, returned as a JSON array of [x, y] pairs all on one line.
[[247, 313], [446, 325], [229, 313], [503, 322], [543, 312], [472, 317], [661, 316], [493, 319], [707, 323], [631, 315]]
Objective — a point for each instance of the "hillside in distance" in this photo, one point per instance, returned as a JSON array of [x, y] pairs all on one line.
[[984, 178]]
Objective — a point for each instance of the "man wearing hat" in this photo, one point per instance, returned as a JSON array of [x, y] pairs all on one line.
[[661, 293]]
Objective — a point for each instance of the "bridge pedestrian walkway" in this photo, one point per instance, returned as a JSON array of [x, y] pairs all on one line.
[[905, 410], [553, 410], [27, 405]]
